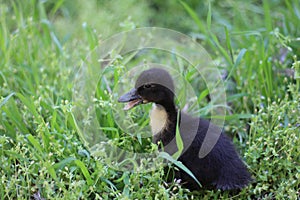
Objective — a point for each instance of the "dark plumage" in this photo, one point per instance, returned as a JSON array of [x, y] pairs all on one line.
[[221, 167]]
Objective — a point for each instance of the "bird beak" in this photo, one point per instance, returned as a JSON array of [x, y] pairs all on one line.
[[131, 98]]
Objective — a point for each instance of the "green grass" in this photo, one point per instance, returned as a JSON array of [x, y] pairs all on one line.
[[43, 45]]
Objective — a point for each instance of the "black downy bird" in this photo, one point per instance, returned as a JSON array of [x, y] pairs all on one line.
[[219, 166]]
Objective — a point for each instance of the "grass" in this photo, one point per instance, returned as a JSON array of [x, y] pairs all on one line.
[[44, 152]]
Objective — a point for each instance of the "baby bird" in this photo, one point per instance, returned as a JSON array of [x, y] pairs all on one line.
[[219, 166]]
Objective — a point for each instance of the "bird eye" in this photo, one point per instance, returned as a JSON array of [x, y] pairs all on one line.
[[148, 86]]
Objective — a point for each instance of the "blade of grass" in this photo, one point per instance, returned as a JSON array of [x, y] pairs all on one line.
[[72, 121], [194, 16], [267, 12], [203, 94], [51, 170], [228, 43], [208, 19], [6, 99], [236, 63], [85, 172], [44, 132], [13, 113], [179, 165], [37, 146], [179, 142], [63, 163]]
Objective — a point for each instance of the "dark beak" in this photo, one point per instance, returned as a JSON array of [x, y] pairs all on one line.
[[129, 96], [132, 98]]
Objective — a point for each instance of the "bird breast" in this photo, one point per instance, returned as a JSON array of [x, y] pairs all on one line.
[[158, 119]]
